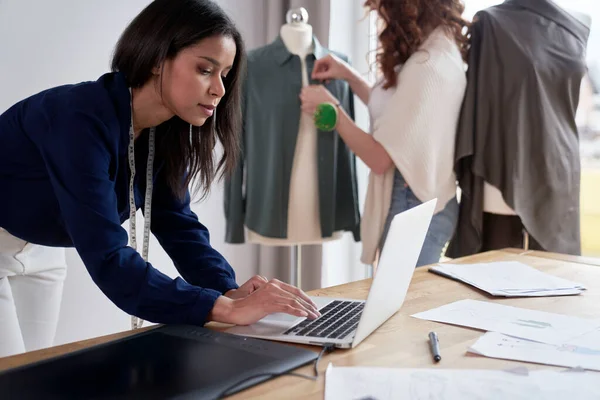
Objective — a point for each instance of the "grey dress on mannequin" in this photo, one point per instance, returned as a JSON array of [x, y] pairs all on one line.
[[517, 129]]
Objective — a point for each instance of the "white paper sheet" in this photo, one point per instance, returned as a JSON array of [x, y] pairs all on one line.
[[509, 279], [361, 383], [518, 322], [590, 340], [537, 293], [497, 345]]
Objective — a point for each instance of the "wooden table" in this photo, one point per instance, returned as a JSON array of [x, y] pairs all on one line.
[[554, 256], [402, 340]]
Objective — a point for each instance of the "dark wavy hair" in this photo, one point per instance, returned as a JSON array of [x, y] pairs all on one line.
[[406, 24], [159, 33]]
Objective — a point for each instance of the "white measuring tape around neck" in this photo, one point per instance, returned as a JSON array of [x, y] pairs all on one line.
[[135, 321]]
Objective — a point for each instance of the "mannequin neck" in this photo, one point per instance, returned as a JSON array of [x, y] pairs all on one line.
[[298, 38]]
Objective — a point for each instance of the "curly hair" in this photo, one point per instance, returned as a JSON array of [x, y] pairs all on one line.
[[406, 24]]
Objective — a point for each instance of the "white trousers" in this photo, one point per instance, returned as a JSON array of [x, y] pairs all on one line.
[[31, 286]]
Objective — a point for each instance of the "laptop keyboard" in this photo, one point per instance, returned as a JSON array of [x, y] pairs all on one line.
[[337, 320]]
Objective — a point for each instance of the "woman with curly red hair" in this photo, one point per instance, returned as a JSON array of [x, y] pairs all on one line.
[[414, 113]]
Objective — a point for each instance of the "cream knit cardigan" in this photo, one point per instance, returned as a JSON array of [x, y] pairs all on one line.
[[417, 128]]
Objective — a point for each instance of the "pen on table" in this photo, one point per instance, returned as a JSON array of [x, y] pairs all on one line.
[[434, 345]]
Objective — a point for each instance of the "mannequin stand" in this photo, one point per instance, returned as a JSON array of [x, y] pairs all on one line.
[[296, 265]]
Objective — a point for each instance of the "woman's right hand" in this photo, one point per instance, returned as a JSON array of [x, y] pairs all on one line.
[[330, 67], [272, 297]]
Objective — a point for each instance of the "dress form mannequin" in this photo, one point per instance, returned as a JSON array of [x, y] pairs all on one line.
[[493, 202], [304, 226], [298, 38]]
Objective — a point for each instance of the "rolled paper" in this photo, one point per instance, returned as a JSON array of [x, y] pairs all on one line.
[[326, 117]]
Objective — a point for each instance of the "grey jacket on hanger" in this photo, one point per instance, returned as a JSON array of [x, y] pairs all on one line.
[[517, 127], [257, 195]]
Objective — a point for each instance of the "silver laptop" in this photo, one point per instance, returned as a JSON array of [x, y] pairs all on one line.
[[345, 323]]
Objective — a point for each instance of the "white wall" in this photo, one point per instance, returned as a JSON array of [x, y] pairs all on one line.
[[349, 34], [48, 43]]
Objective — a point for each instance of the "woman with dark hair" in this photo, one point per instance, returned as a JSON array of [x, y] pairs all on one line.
[[414, 111], [76, 161]]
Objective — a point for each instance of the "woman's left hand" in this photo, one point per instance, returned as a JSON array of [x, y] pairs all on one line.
[[313, 95], [250, 286]]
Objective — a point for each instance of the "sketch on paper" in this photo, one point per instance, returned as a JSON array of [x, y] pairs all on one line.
[[495, 389], [362, 383], [578, 350], [533, 324], [427, 386], [497, 345]]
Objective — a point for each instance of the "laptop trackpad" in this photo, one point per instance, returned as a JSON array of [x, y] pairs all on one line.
[[275, 324]]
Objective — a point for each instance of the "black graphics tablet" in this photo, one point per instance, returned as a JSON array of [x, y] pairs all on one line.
[[168, 362]]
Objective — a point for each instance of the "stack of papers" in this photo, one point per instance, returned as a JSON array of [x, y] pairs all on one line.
[[497, 345], [362, 383], [525, 335], [509, 279], [539, 326]]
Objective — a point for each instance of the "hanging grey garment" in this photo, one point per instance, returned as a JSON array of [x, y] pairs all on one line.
[[257, 194], [517, 127]]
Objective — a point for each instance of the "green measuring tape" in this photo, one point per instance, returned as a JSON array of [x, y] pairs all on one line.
[[326, 117]]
